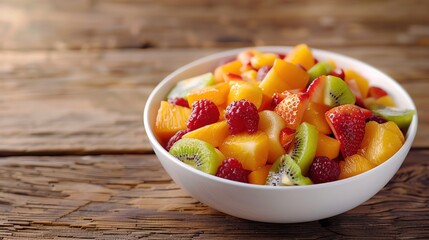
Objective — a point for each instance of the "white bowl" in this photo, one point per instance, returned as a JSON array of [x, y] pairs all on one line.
[[279, 204]]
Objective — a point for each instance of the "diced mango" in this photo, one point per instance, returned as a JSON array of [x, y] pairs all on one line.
[[214, 133], [301, 54], [250, 149], [283, 76], [354, 165], [385, 101], [381, 141], [315, 114], [362, 83], [244, 90], [249, 76], [170, 119], [327, 146], [216, 93], [233, 67], [262, 59], [259, 176]]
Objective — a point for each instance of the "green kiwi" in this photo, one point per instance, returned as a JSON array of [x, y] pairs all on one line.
[[319, 69], [185, 86], [198, 154], [402, 117], [337, 92], [304, 145], [285, 172]]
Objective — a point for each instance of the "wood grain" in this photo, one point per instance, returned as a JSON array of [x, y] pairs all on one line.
[[94, 24], [44, 94], [130, 196]]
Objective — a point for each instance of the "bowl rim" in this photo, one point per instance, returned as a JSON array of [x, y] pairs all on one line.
[[410, 134]]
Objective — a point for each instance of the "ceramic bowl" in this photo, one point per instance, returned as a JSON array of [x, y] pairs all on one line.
[[279, 204]]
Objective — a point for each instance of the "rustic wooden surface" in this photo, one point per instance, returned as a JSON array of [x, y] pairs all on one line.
[[74, 78]]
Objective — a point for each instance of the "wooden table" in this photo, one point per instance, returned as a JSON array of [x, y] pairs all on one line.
[[74, 78]]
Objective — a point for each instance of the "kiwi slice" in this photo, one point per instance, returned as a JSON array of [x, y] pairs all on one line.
[[185, 86], [198, 154], [319, 69], [337, 92], [402, 117], [286, 172], [304, 145]]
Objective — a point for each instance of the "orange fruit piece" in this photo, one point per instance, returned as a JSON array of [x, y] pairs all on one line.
[[216, 93], [381, 141], [354, 165], [292, 108], [301, 54], [259, 176], [259, 60], [170, 119], [362, 83], [315, 115], [233, 67], [287, 136], [214, 133], [249, 76], [250, 149], [327, 146], [272, 124], [283, 76], [244, 90], [386, 101]]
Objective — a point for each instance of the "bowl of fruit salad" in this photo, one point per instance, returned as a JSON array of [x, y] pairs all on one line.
[[280, 134]]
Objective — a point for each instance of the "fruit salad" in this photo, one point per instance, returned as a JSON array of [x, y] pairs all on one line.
[[281, 119]]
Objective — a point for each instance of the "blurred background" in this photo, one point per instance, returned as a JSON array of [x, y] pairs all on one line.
[[74, 75], [108, 24]]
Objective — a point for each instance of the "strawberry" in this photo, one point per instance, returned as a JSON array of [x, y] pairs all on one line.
[[348, 124], [316, 89], [367, 113], [292, 108], [376, 92]]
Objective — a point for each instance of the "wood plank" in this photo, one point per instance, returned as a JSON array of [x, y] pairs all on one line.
[[93, 24], [38, 200], [45, 94]]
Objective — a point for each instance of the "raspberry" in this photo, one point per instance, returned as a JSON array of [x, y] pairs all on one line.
[[323, 170], [179, 102], [242, 116], [204, 112], [176, 137], [232, 169]]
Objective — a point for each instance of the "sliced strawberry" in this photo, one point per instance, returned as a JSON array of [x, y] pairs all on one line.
[[366, 112], [376, 92], [278, 97], [292, 108], [348, 124], [316, 90]]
